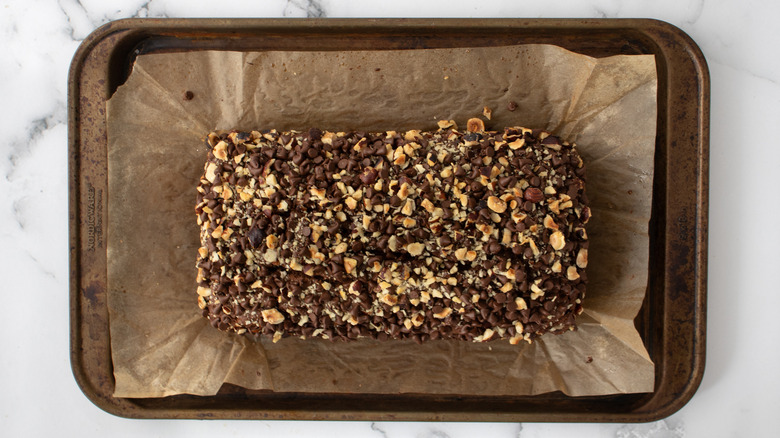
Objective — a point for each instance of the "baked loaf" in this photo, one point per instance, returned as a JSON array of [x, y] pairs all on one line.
[[474, 235]]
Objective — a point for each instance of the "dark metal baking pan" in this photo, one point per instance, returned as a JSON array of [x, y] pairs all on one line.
[[671, 321]]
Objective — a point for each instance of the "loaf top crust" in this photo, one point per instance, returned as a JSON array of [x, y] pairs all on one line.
[[475, 235]]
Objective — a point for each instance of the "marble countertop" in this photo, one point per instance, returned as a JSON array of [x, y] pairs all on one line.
[[740, 392]]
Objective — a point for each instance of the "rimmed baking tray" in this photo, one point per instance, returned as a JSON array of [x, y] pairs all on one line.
[[671, 321]]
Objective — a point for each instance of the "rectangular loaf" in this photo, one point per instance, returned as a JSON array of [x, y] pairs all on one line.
[[475, 235]]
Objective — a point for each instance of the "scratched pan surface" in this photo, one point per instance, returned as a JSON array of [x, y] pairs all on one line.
[[671, 321]]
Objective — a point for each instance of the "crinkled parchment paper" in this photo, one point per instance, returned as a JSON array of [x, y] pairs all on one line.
[[162, 346]]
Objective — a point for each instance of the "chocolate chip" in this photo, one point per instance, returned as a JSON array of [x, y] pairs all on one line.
[[512, 105], [188, 95], [256, 237]]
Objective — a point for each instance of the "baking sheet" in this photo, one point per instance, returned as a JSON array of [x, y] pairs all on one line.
[[160, 344]]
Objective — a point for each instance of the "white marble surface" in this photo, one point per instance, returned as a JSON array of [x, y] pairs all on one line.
[[740, 394]]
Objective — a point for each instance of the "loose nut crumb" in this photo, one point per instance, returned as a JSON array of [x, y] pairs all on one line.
[[487, 112], [549, 223], [475, 125], [444, 124]]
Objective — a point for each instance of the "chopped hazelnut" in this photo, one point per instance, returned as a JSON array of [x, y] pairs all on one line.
[[488, 334], [496, 204], [220, 150], [444, 124], [557, 240], [403, 191], [389, 299], [582, 258], [349, 264], [272, 316], [571, 273], [211, 172], [271, 241], [340, 248], [443, 314], [415, 249], [475, 125], [517, 144], [408, 207], [318, 193]]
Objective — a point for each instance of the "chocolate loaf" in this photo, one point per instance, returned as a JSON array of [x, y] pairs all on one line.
[[475, 235]]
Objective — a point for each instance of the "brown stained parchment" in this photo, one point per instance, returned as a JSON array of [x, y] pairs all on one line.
[[162, 346]]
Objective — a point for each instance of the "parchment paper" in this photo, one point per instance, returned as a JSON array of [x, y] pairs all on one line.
[[162, 346]]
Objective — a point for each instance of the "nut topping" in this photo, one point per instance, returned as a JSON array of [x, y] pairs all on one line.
[[557, 240], [496, 204], [415, 234], [272, 316], [475, 125], [582, 258]]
